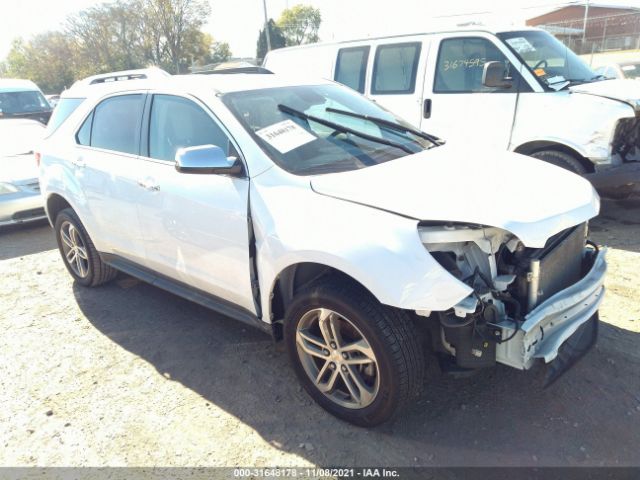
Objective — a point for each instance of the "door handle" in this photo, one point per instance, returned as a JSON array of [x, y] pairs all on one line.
[[79, 162], [149, 184], [426, 108]]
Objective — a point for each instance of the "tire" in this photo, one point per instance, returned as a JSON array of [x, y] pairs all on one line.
[[85, 265], [395, 377], [561, 159]]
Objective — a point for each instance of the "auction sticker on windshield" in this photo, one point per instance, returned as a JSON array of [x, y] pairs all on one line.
[[285, 136], [521, 45]]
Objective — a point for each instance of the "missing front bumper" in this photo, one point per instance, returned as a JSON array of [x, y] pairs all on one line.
[[547, 327]]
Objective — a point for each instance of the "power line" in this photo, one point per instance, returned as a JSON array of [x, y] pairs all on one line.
[[555, 4]]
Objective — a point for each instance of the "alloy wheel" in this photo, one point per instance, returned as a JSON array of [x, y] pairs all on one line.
[[337, 358], [75, 250]]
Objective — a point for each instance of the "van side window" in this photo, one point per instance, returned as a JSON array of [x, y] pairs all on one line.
[[177, 122], [461, 63], [395, 68], [351, 67], [116, 123]]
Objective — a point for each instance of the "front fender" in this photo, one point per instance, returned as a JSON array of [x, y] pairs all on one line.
[[380, 250], [584, 123]]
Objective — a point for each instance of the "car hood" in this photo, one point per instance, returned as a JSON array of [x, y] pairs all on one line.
[[527, 197], [627, 91], [18, 168]]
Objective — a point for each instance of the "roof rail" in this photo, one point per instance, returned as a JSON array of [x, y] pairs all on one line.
[[144, 73], [250, 69]]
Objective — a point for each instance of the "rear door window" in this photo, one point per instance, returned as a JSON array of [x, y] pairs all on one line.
[[351, 67], [116, 123], [395, 68]]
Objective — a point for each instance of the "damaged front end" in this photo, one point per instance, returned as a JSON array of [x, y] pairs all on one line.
[[626, 139], [527, 303]]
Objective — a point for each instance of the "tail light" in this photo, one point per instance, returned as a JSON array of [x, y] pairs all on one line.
[[37, 156]]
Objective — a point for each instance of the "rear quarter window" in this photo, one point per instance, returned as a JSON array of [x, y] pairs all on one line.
[[64, 108]]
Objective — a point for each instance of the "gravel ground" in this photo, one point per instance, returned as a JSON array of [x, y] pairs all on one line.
[[127, 374]]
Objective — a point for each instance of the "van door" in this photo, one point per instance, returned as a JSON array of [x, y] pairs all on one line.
[[397, 77], [457, 107]]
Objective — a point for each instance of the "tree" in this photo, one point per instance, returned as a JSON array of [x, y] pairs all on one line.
[[128, 35], [300, 24], [206, 50], [108, 37], [220, 52], [121, 35], [171, 24], [275, 36], [49, 59]]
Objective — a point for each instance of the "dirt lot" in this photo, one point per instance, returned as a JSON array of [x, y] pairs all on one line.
[[127, 374]]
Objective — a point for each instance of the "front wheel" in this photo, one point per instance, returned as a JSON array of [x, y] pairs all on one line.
[[358, 359], [561, 159]]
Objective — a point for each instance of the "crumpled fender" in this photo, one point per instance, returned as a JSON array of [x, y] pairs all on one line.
[[380, 250]]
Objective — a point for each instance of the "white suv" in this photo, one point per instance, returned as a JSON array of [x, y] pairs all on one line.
[[308, 211]]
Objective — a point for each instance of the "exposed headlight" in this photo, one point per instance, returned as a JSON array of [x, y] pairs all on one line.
[[464, 249], [437, 236], [6, 188]]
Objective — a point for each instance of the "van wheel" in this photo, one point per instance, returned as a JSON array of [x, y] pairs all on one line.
[[561, 159], [78, 252], [358, 359]]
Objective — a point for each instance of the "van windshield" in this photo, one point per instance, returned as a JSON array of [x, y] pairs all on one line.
[[551, 62], [26, 101], [316, 129]]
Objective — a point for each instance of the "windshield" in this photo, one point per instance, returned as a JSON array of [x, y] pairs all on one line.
[[321, 129], [23, 102], [549, 59]]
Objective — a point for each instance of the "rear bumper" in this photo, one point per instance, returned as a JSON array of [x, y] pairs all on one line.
[[548, 326]]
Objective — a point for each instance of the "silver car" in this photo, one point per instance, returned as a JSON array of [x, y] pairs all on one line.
[[20, 199]]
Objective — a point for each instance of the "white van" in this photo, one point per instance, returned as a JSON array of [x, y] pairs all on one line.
[[520, 90], [23, 99]]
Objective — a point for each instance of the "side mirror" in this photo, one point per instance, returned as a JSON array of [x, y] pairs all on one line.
[[493, 76], [206, 159]]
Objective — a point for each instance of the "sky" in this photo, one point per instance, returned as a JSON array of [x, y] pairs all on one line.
[[238, 21]]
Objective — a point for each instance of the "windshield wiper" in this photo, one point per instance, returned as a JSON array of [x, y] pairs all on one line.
[[342, 128], [391, 125]]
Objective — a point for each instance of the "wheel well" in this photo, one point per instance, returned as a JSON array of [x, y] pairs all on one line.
[[291, 280], [55, 204], [533, 147]]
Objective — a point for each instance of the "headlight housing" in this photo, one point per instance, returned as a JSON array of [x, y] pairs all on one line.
[[463, 248], [7, 188]]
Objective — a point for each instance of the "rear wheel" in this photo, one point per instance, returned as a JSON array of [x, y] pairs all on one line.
[[357, 358], [561, 159], [78, 252]]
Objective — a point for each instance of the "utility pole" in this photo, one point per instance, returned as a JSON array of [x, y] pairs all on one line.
[[266, 25], [584, 24]]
